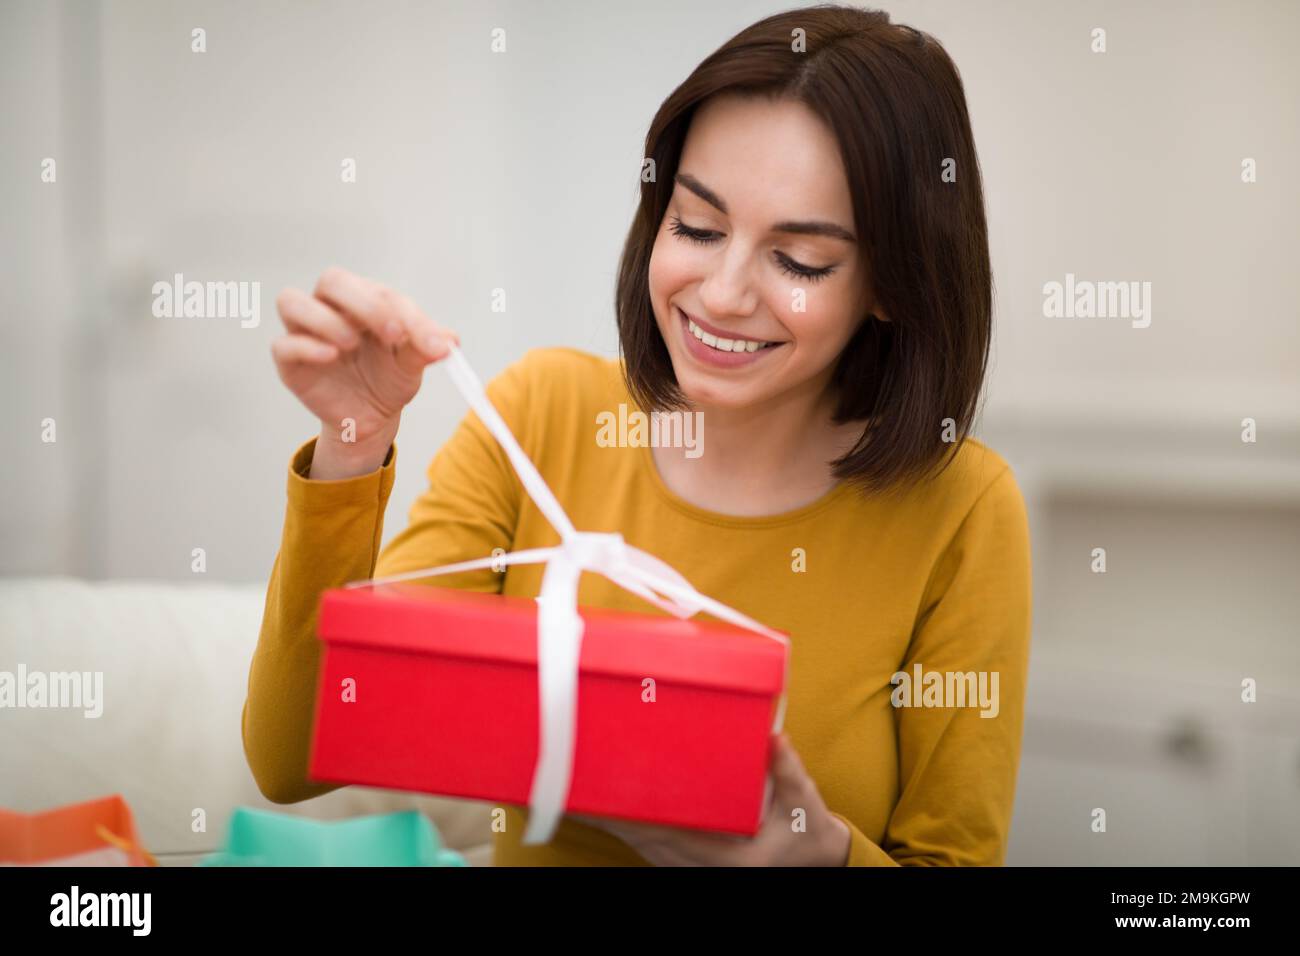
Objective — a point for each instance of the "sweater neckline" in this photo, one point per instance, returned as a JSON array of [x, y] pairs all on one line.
[[650, 471], [670, 497]]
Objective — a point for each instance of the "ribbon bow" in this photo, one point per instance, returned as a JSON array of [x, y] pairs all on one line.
[[559, 626]]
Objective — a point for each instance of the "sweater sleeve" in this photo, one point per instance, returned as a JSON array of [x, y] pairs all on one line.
[[958, 764], [331, 535]]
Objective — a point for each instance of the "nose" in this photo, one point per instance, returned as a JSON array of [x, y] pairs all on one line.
[[728, 288]]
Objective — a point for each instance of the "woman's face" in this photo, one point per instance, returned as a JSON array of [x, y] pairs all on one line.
[[756, 280]]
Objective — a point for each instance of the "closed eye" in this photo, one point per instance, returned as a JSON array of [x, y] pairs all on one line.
[[702, 236], [789, 266]]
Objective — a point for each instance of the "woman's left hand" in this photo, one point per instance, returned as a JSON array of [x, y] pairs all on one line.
[[823, 840]]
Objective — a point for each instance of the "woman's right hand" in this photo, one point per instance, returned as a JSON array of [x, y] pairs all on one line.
[[354, 349]]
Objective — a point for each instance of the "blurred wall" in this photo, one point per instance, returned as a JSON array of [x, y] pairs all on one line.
[[479, 170]]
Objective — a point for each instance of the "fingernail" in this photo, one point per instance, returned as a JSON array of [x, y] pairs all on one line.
[[393, 330], [434, 345]]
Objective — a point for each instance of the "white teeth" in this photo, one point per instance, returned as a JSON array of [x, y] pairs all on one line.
[[725, 345]]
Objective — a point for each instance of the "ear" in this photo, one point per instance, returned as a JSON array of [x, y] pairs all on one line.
[[871, 310]]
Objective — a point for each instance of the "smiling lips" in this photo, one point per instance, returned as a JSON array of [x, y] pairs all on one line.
[[724, 345], [716, 349]]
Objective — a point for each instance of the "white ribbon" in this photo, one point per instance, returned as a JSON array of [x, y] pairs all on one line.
[[559, 626]]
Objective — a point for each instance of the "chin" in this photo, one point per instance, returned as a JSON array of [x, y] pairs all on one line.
[[703, 387], [701, 390]]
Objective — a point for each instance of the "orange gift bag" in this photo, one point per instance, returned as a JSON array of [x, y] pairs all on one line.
[[95, 833]]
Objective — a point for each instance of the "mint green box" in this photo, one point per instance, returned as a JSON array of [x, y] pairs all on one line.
[[262, 838]]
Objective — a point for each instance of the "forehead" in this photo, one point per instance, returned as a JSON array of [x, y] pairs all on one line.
[[766, 158]]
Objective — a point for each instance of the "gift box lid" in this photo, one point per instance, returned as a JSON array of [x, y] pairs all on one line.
[[425, 619]]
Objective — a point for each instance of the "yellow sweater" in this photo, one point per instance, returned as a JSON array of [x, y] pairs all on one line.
[[866, 586]]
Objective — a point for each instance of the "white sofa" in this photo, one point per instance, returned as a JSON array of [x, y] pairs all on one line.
[[175, 664], [1122, 731]]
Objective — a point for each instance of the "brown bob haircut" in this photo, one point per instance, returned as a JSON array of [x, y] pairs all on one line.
[[894, 100]]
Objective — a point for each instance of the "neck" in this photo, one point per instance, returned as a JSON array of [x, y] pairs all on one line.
[[765, 458]]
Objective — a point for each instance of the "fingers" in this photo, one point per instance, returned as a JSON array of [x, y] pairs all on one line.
[[304, 313], [424, 341], [392, 317], [296, 347], [787, 768], [427, 336], [358, 300]]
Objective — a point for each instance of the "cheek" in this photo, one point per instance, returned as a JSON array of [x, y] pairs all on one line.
[[825, 324], [670, 269]]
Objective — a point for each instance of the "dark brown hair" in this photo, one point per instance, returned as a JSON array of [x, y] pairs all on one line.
[[894, 100]]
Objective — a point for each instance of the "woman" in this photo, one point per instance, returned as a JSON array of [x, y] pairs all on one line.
[[808, 268]]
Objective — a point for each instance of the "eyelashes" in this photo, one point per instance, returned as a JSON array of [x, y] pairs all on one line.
[[680, 228], [706, 237]]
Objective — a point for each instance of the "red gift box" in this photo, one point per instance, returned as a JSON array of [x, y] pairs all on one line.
[[446, 701]]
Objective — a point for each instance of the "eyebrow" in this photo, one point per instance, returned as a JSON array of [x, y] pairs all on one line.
[[808, 228]]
